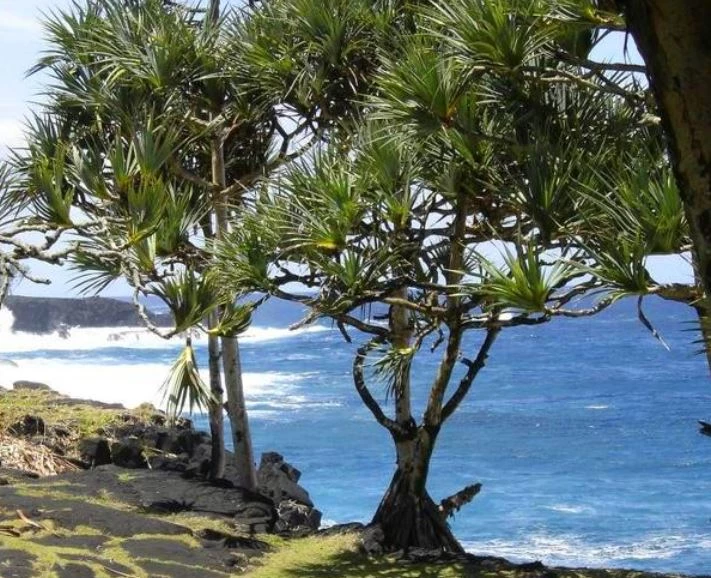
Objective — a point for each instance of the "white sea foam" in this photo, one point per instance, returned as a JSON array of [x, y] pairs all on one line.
[[575, 551], [597, 407], [85, 338], [102, 376], [570, 509], [130, 384]]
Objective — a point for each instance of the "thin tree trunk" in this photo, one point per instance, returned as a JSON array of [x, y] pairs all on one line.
[[215, 409], [213, 12], [246, 475], [401, 336], [673, 37]]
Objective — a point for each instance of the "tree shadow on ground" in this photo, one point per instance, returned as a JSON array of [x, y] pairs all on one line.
[[355, 565]]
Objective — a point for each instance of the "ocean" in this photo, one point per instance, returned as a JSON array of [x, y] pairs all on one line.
[[582, 432]]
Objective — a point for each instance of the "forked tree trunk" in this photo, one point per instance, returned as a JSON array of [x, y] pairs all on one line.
[[407, 514]]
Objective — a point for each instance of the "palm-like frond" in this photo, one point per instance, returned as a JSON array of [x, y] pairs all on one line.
[[496, 34], [233, 319], [189, 297], [524, 282], [619, 264], [184, 387], [315, 56], [7, 206], [322, 206], [96, 264], [638, 198], [392, 368]]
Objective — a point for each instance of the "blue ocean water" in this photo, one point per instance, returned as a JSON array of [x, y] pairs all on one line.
[[582, 432]]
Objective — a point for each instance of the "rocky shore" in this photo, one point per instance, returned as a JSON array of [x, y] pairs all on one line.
[[106, 475], [89, 489]]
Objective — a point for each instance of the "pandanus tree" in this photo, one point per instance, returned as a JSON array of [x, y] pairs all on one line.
[[161, 121], [477, 140], [141, 108]]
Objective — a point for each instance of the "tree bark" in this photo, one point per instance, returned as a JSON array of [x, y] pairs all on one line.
[[246, 474], [407, 514], [705, 328], [674, 38], [215, 409]]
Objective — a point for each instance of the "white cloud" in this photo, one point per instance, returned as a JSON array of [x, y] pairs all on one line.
[[17, 22], [11, 134]]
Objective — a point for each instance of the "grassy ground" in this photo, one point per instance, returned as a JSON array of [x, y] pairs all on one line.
[[337, 556], [80, 419], [65, 423]]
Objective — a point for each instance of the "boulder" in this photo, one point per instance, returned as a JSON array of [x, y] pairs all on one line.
[[276, 459], [95, 451], [129, 453], [339, 529], [296, 518], [371, 540], [278, 480], [31, 385], [30, 425]]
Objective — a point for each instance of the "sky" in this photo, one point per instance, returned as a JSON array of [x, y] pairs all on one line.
[[21, 44]]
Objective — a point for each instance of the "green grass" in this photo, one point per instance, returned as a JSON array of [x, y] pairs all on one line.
[[338, 556], [81, 420], [331, 556]]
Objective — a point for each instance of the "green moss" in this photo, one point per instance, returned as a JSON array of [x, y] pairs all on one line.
[[46, 493], [126, 477]]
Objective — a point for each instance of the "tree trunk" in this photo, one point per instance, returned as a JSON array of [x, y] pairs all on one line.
[[246, 476], [407, 514], [237, 412], [705, 329], [674, 38], [215, 409]]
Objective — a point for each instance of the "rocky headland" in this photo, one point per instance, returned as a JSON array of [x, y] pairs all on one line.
[[51, 314]]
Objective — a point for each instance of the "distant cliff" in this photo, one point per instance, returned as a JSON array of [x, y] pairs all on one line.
[[46, 314]]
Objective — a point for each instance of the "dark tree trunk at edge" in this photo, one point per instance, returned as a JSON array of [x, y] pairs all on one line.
[[674, 38]]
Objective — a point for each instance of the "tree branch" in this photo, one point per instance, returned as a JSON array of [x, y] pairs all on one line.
[[359, 381], [454, 503], [473, 370]]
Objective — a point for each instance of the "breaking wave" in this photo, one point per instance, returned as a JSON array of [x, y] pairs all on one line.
[[571, 550], [85, 338]]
